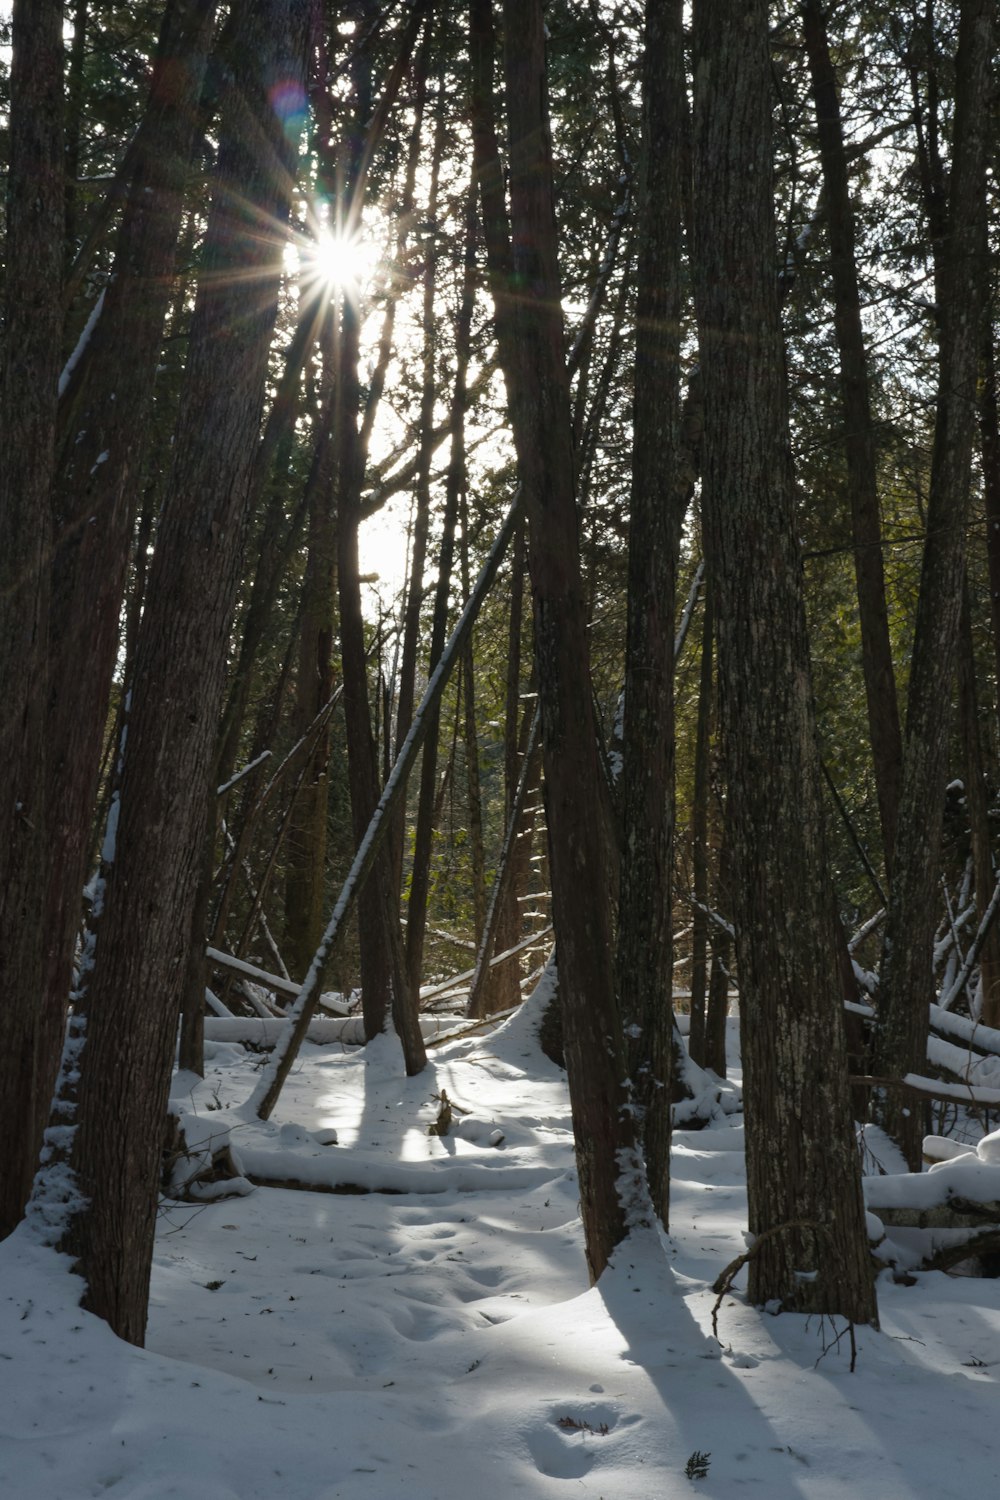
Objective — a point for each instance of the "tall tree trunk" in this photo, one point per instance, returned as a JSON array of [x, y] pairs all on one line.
[[645, 939], [362, 765], [859, 432], [103, 428], [538, 386], [416, 918], [470, 742], [907, 986], [143, 931], [32, 332], [501, 986], [803, 1173], [307, 837], [425, 426]]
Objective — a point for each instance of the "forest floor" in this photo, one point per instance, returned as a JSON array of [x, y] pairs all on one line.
[[433, 1337]]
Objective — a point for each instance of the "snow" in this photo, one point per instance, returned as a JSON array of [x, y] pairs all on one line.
[[433, 1336]]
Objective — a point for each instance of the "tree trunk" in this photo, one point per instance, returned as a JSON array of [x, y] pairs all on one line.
[[977, 806], [416, 911], [307, 836], [859, 432], [717, 1005], [470, 742], [152, 858], [28, 376], [803, 1173], [538, 387], [907, 986], [699, 841], [103, 420], [502, 987], [644, 955]]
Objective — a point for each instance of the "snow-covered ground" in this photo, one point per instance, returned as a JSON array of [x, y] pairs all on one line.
[[433, 1336]]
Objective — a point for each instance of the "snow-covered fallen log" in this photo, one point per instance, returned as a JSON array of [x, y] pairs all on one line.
[[322, 1029]]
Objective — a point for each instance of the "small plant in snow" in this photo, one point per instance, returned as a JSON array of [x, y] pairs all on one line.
[[697, 1465]]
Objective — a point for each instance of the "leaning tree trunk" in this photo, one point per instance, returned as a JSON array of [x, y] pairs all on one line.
[[907, 986], [645, 939], [28, 375], [803, 1173], [142, 935], [538, 386]]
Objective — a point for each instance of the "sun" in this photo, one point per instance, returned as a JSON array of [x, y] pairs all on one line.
[[332, 262]]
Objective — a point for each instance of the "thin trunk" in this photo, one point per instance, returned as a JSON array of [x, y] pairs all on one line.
[[907, 986], [717, 1008], [266, 1094], [977, 805], [28, 375], [803, 1174], [416, 911], [699, 843], [74, 113], [644, 957], [470, 744], [421, 512], [527, 786], [503, 989], [152, 859], [306, 866], [859, 431]]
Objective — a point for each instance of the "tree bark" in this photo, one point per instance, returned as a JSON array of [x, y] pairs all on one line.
[[150, 872], [907, 981], [803, 1173], [103, 422], [644, 957], [538, 388], [28, 376], [859, 432]]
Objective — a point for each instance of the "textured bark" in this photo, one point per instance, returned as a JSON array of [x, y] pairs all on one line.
[[103, 427], [538, 386], [644, 957], [907, 981], [28, 373], [803, 1172], [859, 432], [143, 934]]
